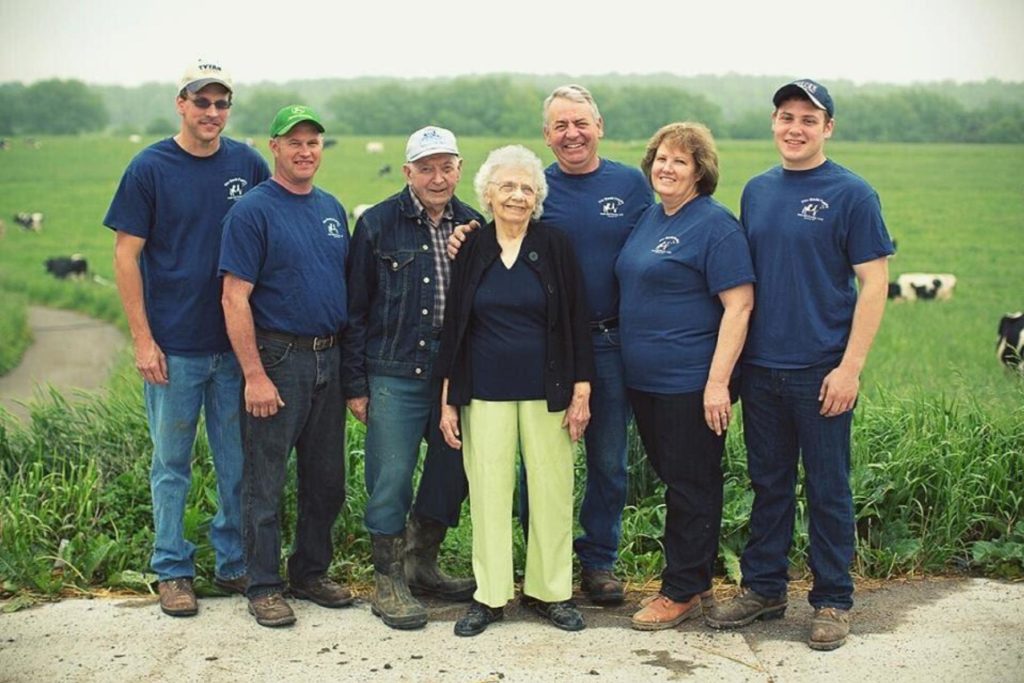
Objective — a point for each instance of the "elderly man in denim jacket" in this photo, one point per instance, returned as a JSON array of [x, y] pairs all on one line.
[[398, 277]]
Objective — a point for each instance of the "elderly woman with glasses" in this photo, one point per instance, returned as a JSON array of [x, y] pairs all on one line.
[[517, 363], [686, 294]]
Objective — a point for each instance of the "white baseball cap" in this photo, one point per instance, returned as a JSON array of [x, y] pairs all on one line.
[[430, 140], [201, 73]]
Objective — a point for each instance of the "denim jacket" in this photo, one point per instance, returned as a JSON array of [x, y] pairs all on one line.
[[391, 293]]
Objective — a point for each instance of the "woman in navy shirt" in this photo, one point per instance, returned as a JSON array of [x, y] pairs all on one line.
[[517, 363], [686, 293]]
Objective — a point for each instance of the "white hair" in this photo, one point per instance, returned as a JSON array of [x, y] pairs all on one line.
[[517, 157], [573, 93]]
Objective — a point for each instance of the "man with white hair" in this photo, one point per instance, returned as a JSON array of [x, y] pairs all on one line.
[[398, 279], [166, 214]]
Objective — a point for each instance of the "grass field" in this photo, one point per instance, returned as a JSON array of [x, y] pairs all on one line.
[[939, 436]]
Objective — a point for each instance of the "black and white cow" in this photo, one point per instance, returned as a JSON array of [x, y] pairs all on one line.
[[30, 220], [62, 267], [917, 286], [1010, 345]]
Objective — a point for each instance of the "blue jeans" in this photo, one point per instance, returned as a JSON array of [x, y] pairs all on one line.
[[604, 495], [402, 413], [782, 424], [312, 421], [212, 384]]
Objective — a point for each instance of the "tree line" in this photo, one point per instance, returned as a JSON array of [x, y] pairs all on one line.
[[511, 107]]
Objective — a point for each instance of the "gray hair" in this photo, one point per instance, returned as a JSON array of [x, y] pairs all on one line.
[[511, 156], [573, 93]]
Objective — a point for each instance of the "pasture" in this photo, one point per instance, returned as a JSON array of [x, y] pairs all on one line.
[[939, 434]]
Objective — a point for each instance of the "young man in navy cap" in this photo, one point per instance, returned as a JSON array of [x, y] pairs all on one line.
[[283, 260], [167, 213], [814, 228]]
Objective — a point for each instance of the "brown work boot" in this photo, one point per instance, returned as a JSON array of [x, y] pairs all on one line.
[[744, 609], [323, 591], [271, 610], [662, 612], [235, 585], [602, 586], [177, 598], [707, 600], [392, 601], [829, 628], [423, 539]]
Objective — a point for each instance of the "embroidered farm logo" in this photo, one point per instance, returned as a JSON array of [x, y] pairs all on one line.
[[812, 209], [665, 245], [333, 227], [611, 207], [236, 186]]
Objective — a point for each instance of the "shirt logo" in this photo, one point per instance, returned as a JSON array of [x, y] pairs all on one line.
[[665, 245], [812, 209], [236, 186], [611, 207], [333, 227]]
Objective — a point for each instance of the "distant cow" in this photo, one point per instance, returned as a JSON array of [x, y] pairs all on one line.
[[330, 142], [1010, 346], [30, 220], [359, 211], [374, 147], [916, 286], [384, 170], [62, 267]]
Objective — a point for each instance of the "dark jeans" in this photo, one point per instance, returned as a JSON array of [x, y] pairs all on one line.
[[687, 456], [312, 421], [782, 424]]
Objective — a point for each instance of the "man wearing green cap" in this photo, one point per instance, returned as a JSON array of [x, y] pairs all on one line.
[[283, 257]]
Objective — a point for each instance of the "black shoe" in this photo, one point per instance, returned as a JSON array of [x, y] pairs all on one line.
[[477, 618], [602, 586], [235, 585], [562, 614]]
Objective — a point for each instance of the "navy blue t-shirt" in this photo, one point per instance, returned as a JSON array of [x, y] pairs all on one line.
[[507, 335], [670, 271], [807, 229], [293, 248], [597, 210], [175, 201]]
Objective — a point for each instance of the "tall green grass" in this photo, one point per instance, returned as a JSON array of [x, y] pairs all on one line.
[[14, 331]]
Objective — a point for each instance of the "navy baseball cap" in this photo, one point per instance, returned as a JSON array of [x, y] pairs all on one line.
[[812, 90]]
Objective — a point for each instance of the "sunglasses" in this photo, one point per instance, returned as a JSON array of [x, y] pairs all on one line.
[[205, 102]]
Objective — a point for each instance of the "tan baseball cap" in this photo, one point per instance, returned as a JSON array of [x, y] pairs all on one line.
[[201, 73]]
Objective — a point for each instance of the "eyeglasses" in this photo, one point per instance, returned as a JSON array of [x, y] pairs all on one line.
[[510, 187], [205, 102]]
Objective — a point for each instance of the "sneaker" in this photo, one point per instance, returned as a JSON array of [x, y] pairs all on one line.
[[744, 609], [662, 612], [323, 591], [829, 628], [235, 585], [177, 598], [562, 614], [477, 618], [602, 586], [271, 610]]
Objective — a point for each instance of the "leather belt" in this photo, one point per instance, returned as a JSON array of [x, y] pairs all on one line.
[[307, 343], [604, 325]]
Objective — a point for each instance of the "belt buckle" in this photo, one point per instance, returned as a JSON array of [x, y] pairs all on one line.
[[323, 343]]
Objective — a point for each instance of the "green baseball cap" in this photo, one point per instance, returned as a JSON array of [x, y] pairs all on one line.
[[291, 115]]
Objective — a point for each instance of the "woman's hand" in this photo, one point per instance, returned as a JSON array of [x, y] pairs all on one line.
[[449, 420], [717, 406], [577, 416]]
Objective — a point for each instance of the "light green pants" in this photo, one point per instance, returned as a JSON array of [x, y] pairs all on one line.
[[491, 432]]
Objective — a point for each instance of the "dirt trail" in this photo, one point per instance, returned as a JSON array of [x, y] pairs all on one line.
[[71, 352]]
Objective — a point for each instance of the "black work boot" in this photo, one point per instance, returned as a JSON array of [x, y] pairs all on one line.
[[392, 601], [423, 539]]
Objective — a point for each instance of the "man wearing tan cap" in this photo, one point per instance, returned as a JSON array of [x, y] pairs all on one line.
[[166, 214], [283, 259], [398, 277]]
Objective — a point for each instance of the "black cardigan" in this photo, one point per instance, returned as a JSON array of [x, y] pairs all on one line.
[[569, 355]]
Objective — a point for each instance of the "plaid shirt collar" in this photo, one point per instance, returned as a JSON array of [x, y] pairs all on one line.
[[447, 217]]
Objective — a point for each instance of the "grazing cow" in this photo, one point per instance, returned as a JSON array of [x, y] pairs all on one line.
[[135, 138], [915, 286], [62, 267], [1010, 346], [384, 170], [30, 220], [330, 142], [374, 147], [359, 211]]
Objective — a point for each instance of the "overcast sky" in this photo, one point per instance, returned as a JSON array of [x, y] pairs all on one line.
[[129, 42]]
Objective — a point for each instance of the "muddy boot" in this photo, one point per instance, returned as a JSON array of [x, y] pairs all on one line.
[[392, 601], [422, 541]]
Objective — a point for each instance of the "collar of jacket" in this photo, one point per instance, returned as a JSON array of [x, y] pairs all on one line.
[[533, 250]]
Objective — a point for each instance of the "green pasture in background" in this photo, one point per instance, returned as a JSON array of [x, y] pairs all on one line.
[[938, 474]]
